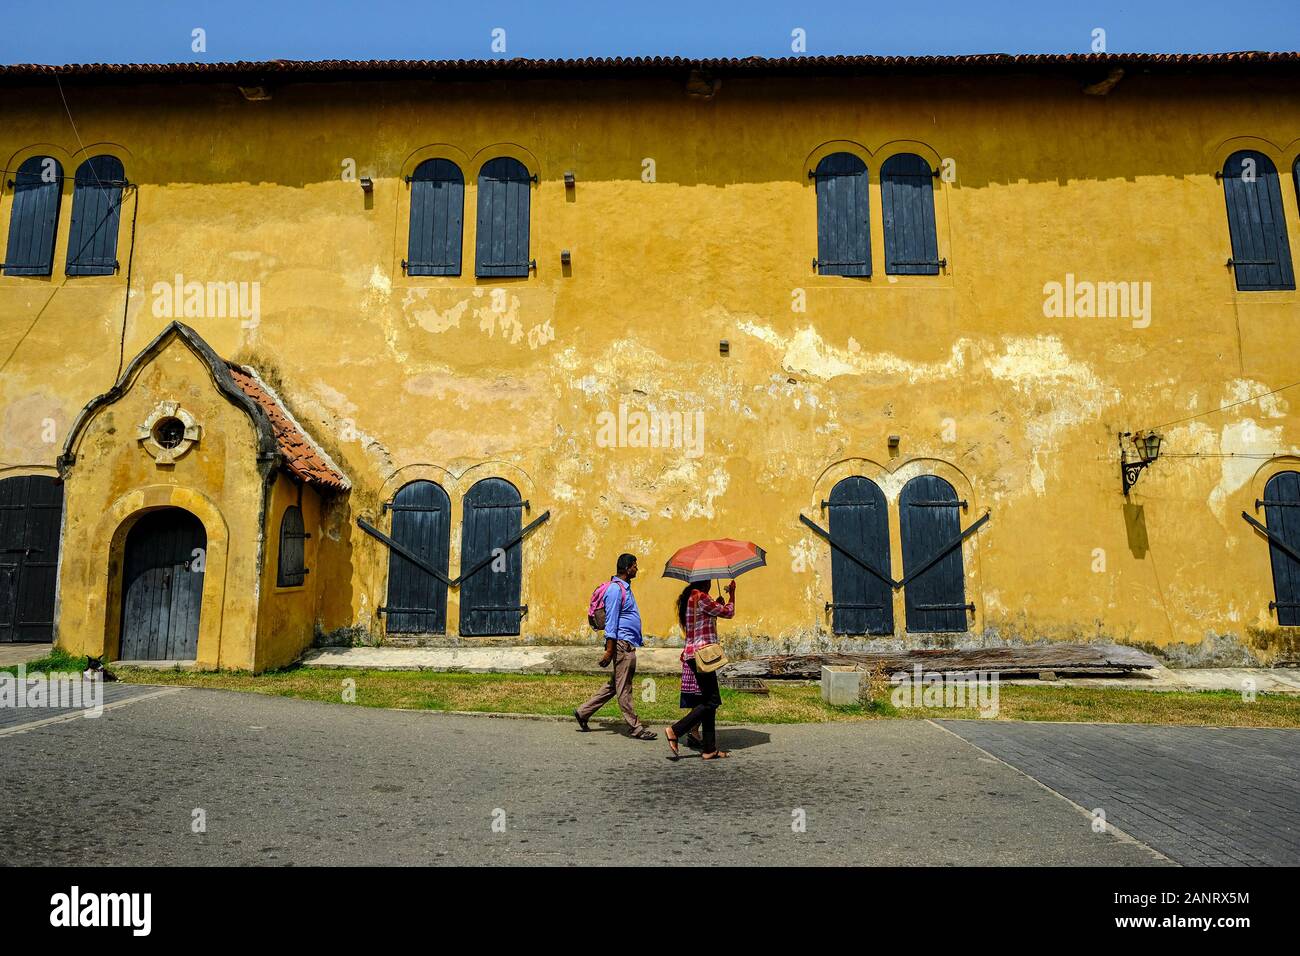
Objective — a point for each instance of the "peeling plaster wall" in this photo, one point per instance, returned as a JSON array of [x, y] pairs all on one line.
[[457, 378]]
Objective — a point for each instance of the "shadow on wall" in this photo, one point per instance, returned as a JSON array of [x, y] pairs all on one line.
[[800, 106], [1135, 523]]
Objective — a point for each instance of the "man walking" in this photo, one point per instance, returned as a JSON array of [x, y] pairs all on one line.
[[622, 638]]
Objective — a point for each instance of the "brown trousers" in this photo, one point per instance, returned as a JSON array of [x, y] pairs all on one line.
[[620, 683]]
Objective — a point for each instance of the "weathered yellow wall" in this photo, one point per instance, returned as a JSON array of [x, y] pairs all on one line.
[[116, 481], [287, 616], [420, 377]]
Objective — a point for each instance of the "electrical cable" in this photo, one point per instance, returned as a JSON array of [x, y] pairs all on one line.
[[126, 305], [1221, 408]]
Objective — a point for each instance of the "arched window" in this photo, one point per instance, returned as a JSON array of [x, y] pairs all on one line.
[[843, 219], [501, 241], [96, 204], [34, 217], [491, 560], [437, 216], [1282, 515], [1261, 255], [907, 198], [862, 598], [417, 600], [929, 521], [291, 569]]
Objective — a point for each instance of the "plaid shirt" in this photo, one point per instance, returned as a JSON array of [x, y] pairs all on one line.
[[702, 613]]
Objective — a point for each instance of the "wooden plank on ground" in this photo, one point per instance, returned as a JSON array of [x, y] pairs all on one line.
[[1097, 658]]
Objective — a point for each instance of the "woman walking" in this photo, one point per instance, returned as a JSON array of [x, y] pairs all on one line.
[[698, 614]]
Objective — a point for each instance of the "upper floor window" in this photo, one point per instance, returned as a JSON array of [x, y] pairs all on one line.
[[437, 217], [502, 231], [34, 217], [843, 219], [1261, 255], [291, 569], [907, 198], [96, 201]]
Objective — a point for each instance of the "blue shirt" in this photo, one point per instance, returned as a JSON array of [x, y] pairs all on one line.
[[622, 616]]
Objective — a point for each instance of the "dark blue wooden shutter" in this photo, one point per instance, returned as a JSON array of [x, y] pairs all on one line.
[[930, 521], [1282, 515], [859, 520], [34, 217], [489, 598], [501, 245], [1261, 255], [291, 569], [417, 600], [907, 199], [843, 216], [437, 218], [96, 205]]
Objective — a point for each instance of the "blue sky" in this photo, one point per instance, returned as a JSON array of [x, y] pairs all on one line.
[[160, 30]]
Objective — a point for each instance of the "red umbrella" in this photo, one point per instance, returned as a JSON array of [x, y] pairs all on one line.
[[719, 558]]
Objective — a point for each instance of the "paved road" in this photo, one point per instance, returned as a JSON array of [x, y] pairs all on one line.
[[289, 781], [1201, 795], [285, 781], [109, 695]]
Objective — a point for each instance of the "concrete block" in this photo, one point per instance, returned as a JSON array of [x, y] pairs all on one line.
[[840, 684]]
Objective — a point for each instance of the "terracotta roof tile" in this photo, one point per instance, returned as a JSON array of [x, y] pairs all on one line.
[[302, 457], [353, 69]]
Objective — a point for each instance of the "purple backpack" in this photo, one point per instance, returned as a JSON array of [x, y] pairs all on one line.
[[596, 606]]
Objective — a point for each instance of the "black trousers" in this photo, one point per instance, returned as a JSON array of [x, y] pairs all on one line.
[[705, 711]]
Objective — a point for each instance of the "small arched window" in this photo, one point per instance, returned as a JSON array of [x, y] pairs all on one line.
[[843, 216], [34, 217], [501, 242], [437, 218], [1261, 255], [291, 569], [96, 204], [907, 198]]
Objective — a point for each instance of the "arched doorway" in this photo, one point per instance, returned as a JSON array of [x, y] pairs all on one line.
[[492, 573], [417, 600], [862, 601], [162, 587], [929, 519], [31, 511], [1282, 513]]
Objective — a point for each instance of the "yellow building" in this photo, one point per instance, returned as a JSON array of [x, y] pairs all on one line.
[[412, 351]]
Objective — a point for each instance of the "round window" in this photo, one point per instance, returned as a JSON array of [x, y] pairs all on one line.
[[169, 432]]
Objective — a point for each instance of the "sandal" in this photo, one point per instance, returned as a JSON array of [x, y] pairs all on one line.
[[645, 735], [716, 755], [672, 743]]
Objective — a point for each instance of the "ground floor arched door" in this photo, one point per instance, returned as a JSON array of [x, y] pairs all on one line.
[[31, 511], [417, 600], [162, 587]]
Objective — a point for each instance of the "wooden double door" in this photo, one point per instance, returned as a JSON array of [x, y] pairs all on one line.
[[862, 582]]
